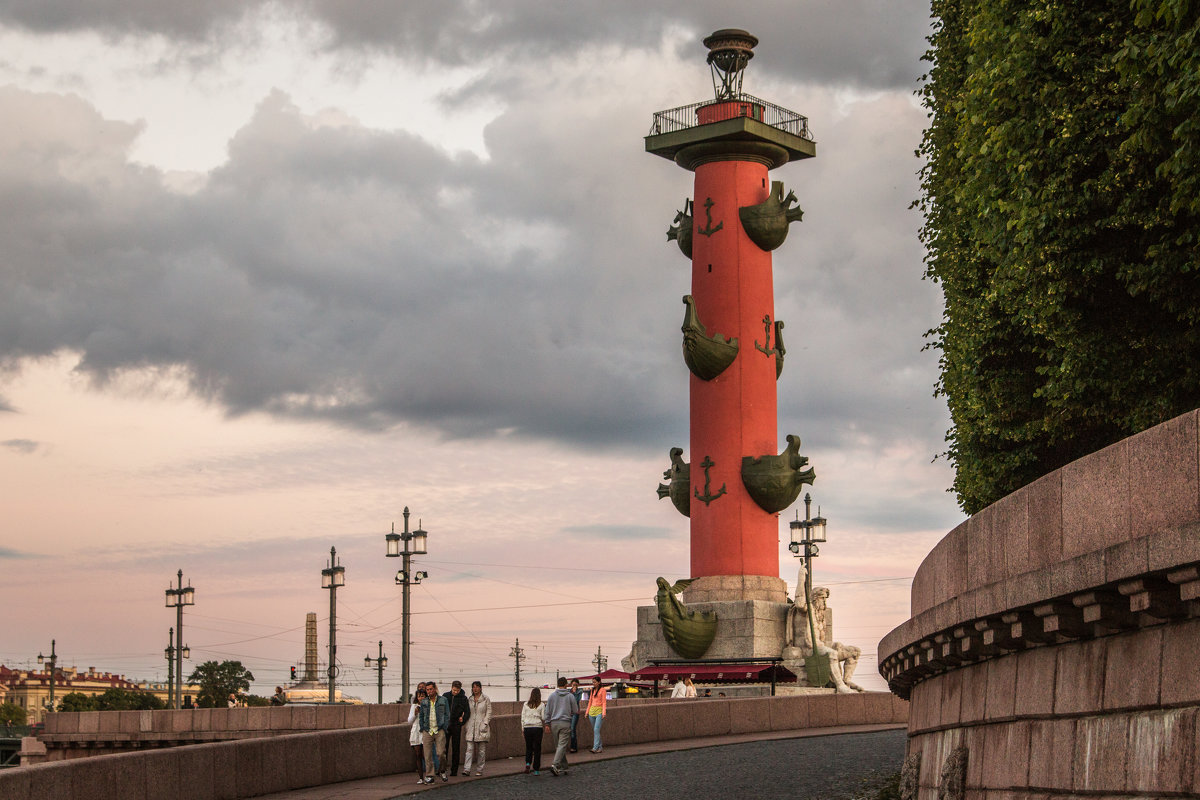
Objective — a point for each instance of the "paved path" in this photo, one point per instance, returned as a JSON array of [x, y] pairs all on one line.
[[815, 762]]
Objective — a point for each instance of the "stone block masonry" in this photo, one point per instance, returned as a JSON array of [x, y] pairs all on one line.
[[1055, 635]]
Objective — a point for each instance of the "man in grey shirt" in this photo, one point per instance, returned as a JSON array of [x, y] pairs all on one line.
[[559, 707]]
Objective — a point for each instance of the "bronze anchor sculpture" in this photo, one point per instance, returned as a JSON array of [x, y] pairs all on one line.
[[708, 496]]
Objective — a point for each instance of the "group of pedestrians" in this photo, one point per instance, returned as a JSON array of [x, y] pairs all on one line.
[[559, 716], [445, 726], [441, 723]]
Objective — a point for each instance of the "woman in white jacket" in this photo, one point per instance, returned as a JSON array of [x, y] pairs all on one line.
[[533, 719], [414, 734], [478, 731]]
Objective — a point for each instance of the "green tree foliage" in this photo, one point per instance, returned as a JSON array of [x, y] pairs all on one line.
[[78, 701], [11, 712], [128, 700], [1061, 193], [257, 700], [219, 680]]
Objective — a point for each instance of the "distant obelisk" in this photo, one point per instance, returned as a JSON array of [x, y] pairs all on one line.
[[310, 648]]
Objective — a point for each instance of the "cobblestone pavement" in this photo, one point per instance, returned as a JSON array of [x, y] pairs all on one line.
[[825, 767]]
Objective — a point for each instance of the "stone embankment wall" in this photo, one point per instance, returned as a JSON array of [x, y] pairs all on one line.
[[250, 767], [1054, 643]]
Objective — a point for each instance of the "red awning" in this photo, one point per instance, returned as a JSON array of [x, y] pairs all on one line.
[[715, 673]]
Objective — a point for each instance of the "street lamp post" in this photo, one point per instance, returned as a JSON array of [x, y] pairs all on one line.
[[398, 546], [332, 577], [518, 655], [169, 652], [380, 663], [53, 659], [600, 661], [806, 535], [177, 598]]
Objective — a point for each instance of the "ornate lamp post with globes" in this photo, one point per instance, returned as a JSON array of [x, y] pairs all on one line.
[[177, 598], [380, 664], [398, 547], [332, 577], [806, 535], [53, 659]]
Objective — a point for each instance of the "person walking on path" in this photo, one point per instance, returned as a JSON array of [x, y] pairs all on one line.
[[533, 717], [679, 689], [689, 689], [460, 711], [558, 723], [435, 716], [478, 731], [578, 694], [597, 709], [414, 732]]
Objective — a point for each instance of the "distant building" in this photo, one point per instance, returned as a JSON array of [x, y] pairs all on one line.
[[30, 689]]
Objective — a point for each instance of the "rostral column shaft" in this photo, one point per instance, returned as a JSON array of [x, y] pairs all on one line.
[[734, 414], [737, 217]]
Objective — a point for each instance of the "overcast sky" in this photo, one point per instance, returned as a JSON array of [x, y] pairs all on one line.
[[272, 271]]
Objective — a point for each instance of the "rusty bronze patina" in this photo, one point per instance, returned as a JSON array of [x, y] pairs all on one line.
[[706, 356], [774, 482], [688, 632], [767, 223], [681, 229], [679, 486]]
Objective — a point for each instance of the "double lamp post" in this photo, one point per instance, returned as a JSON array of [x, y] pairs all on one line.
[[178, 597], [406, 545]]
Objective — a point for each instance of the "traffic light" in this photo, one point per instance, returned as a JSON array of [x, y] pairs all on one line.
[[293, 673]]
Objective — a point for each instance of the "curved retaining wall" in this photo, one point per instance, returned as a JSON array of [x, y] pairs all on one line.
[[240, 768], [1054, 643]]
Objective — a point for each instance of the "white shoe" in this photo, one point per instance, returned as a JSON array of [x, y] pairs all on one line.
[[478, 772]]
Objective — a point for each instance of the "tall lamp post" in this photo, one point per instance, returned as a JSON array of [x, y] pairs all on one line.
[[380, 663], [806, 535], [177, 598], [332, 577], [53, 659], [600, 661], [398, 547], [169, 652]]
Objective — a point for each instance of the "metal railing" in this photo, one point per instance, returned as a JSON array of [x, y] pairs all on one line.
[[684, 117]]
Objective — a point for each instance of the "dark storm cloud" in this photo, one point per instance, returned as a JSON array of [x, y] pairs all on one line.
[[868, 43], [337, 273], [20, 445], [371, 278]]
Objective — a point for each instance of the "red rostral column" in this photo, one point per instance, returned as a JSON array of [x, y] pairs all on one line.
[[731, 337]]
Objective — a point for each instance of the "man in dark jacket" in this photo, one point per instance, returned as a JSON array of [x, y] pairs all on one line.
[[460, 712]]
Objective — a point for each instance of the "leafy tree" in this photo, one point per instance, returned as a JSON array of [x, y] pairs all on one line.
[[1061, 193], [219, 680], [257, 700], [11, 712], [117, 699], [78, 701]]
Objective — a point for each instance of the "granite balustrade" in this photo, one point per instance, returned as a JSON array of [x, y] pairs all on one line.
[[1054, 642], [249, 767]]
